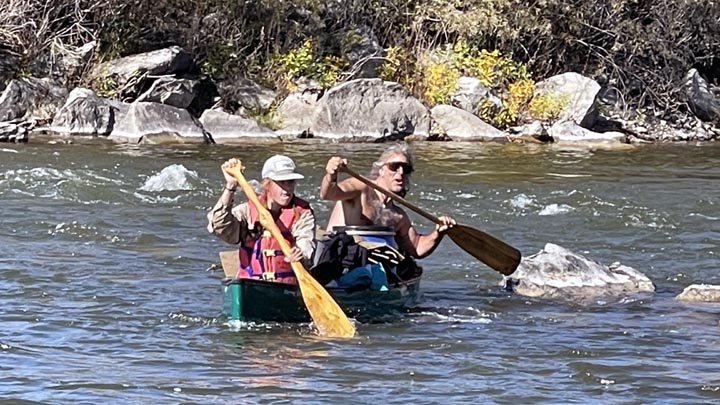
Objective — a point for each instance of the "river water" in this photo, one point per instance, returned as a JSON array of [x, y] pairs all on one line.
[[106, 297]]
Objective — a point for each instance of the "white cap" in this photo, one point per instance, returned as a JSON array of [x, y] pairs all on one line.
[[280, 168]]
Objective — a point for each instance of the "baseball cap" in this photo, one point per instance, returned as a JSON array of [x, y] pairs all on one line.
[[279, 168]]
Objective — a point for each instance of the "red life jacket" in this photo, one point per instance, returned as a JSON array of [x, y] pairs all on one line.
[[261, 257]]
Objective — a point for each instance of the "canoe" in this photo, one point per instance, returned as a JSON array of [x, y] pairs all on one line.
[[265, 301]]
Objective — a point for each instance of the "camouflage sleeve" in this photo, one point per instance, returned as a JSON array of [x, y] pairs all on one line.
[[303, 230], [228, 223]]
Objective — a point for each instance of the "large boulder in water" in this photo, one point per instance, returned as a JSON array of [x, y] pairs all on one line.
[[556, 272]]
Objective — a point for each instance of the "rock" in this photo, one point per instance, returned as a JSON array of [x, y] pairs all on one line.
[[369, 109], [295, 113], [226, 128], [84, 113], [174, 92], [556, 272], [156, 123], [701, 101], [471, 93], [247, 94], [363, 52], [64, 64], [460, 125], [9, 62], [31, 98], [700, 293], [128, 73], [567, 132], [580, 92]]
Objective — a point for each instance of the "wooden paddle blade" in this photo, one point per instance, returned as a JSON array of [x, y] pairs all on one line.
[[492, 251], [329, 318], [497, 254]]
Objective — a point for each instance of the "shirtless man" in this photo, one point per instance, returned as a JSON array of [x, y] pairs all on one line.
[[358, 204]]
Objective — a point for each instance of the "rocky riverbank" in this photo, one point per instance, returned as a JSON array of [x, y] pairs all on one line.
[[158, 99]]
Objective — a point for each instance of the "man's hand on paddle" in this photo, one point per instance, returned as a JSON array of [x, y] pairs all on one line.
[[445, 224], [335, 165], [295, 255]]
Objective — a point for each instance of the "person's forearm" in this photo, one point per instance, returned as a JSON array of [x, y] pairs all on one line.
[[428, 243], [328, 187]]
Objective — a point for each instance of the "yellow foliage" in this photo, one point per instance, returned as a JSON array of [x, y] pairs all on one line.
[[303, 62], [441, 80], [547, 107]]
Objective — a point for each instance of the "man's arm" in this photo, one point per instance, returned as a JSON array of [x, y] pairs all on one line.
[[347, 189], [415, 244]]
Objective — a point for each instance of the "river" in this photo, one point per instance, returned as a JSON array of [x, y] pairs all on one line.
[[106, 297]]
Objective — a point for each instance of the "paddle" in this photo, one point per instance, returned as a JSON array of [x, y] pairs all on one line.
[[325, 312], [497, 254]]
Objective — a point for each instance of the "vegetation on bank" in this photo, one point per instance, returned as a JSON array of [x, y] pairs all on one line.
[[641, 48]]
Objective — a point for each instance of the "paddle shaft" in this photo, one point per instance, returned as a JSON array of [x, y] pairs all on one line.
[[392, 195], [329, 318], [497, 254]]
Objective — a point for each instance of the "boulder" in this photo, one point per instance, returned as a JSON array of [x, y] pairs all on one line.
[[460, 125], [156, 123], [556, 272], [84, 113], [369, 110], [174, 92], [31, 98], [471, 93], [569, 132], [580, 93], [128, 73], [226, 128], [700, 293], [246, 94], [295, 113]]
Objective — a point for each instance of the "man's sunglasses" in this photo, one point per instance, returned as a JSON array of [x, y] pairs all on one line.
[[394, 166]]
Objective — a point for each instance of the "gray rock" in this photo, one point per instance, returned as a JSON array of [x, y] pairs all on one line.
[[84, 113], [247, 94], [295, 113], [581, 93], [700, 293], [129, 72], [156, 123], [569, 132], [471, 93], [556, 272], [699, 98], [363, 52], [168, 90], [369, 109], [460, 125], [31, 98], [227, 128]]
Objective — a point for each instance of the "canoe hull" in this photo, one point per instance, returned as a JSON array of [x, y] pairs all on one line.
[[258, 300]]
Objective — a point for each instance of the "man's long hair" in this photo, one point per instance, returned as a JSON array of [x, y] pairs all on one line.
[[381, 215], [396, 149]]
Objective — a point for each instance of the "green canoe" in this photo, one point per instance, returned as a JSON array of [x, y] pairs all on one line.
[[258, 300]]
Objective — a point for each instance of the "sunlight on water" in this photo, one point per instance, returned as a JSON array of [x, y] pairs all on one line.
[[106, 297]]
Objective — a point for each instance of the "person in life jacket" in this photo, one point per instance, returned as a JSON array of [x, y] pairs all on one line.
[[259, 253]]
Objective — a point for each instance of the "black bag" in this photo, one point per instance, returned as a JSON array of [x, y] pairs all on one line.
[[338, 254]]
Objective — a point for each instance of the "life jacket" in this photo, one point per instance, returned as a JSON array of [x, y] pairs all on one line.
[[261, 256]]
